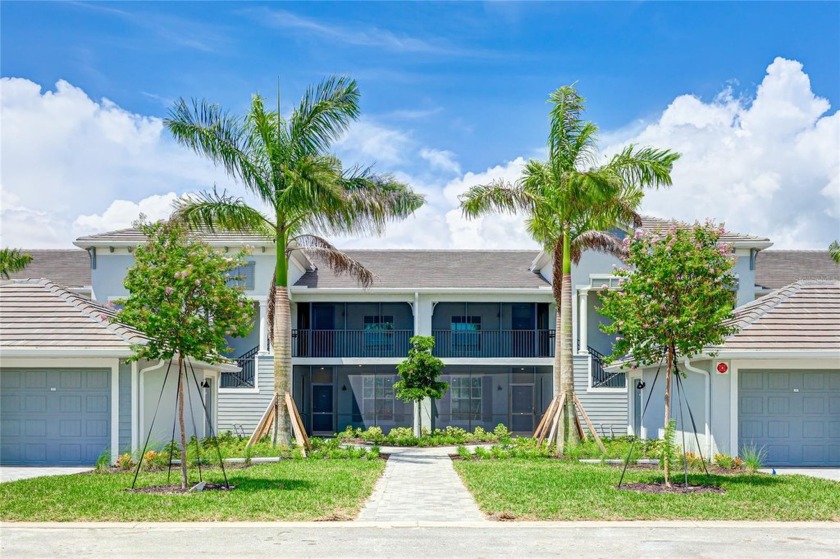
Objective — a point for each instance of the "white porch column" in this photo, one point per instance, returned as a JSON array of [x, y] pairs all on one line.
[[583, 315], [263, 326]]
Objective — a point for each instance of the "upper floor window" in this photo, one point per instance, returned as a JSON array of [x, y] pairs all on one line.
[[243, 276], [465, 332], [378, 331]]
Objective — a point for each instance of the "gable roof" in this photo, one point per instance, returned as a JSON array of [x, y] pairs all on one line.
[[67, 267], [133, 237], [39, 314], [420, 269], [803, 316], [650, 223], [778, 268]]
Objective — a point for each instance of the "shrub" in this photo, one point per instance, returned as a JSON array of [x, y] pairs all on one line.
[[724, 461], [103, 463], [753, 457], [464, 453], [125, 462]]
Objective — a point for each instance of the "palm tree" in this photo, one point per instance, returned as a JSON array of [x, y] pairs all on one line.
[[306, 193], [13, 260], [834, 251], [570, 202]]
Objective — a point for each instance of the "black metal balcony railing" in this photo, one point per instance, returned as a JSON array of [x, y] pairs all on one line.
[[602, 378], [494, 343], [244, 378], [350, 343]]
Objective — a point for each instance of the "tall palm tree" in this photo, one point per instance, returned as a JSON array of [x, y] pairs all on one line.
[[570, 202], [13, 260], [306, 193]]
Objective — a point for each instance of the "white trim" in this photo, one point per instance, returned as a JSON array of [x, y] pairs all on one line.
[[542, 290], [115, 411], [135, 406], [708, 406], [81, 353], [733, 410]]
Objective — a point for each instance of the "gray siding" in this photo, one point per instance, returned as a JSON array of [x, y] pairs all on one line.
[[125, 407], [246, 408], [606, 410]]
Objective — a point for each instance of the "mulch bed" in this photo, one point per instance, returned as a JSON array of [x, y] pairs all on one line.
[[176, 488], [675, 488]]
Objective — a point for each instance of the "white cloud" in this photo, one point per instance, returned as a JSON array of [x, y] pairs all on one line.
[[441, 159], [65, 157], [122, 213], [767, 166], [368, 142]]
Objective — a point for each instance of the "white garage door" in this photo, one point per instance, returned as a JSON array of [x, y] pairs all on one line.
[[54, 416], [794, 415]]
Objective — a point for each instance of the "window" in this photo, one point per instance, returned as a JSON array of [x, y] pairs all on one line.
[[465, 393], [378, 331], [243, 276], [378, 398], [466, 332]]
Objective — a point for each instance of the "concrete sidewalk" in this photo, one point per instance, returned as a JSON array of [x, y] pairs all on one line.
[[418, 485], [766, 540], [14, 473]]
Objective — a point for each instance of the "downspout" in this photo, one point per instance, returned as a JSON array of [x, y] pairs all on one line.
[[140, 425], [708, 408]]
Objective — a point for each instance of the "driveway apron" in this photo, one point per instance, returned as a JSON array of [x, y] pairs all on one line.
[[420, 485]]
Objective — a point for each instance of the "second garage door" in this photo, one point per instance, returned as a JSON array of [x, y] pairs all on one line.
[[794, 415], [54, 417]]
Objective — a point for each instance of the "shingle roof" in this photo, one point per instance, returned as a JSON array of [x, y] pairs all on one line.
[[70, 268], [804, 316], [41, 314], [132, 236], [778, 268], [654, 223], [501, 269]]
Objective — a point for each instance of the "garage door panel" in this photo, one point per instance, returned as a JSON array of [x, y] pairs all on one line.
[[54, 416], [793, 415]]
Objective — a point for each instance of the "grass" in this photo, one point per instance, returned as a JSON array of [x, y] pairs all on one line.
[[286, 490], [543, 489]]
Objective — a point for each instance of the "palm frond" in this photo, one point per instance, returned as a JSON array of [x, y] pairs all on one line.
[[13, 260], [218, 211], [644, 167], [219, 136], [598, 241], [570, 139], [498, 196], [324, 113], [339, 262], [834, 251]]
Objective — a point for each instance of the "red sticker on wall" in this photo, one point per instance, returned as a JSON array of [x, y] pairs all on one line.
[[722, 368]]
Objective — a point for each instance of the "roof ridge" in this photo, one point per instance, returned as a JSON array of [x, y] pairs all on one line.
[[78, 302], [764, 303]]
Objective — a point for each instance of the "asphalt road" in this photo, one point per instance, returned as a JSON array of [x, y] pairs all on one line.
[[713, 540]]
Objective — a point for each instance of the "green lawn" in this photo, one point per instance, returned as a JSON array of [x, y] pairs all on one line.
[[287, 490], [542, 489]]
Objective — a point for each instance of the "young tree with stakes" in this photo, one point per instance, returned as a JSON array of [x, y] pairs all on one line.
[[303, 192], [570, 203], [419, 374], [180, 299], [673, 300]]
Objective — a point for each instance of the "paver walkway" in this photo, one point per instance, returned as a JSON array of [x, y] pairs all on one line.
[[420, 485]]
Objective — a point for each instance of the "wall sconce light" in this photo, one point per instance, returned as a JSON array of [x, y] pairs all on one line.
[[205, 384], [640, 385], [499, 388], [344, 388]]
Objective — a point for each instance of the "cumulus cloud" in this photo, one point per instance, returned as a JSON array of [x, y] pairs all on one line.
[[766, 164], [368, 142], [441, 159], [66, 155], [121, 213]]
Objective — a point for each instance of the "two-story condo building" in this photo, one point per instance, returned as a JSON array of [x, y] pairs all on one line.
[[491, 313]]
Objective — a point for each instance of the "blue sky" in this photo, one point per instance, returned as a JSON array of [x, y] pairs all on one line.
[[465, 80]]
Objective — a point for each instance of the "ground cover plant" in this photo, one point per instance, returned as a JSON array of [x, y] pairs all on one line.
[[285, 490], [404, 436], [546, 489]]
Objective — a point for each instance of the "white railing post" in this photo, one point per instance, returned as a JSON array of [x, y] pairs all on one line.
[[263, 326], [583, 315]]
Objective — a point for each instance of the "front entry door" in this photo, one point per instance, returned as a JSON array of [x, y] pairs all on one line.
[[322, 409], [522, 408]]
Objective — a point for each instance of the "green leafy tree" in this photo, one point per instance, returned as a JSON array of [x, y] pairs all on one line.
[[834, 251], [570, 202], [180, 299], [673, 300], [13, 260], [303, 192], [419, 373]]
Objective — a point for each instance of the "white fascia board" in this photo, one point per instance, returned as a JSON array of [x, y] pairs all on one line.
[[412, 290], [773, 354], [491, 361], [759, 244], [131, 244], [64, 352]]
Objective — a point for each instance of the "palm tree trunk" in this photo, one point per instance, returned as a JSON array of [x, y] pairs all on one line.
[[181, 382], [281, 339]]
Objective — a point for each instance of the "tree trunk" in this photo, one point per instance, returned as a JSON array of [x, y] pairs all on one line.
[[181, 382], [667, 453], [282, 342], [418, 419], [567, 434]]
